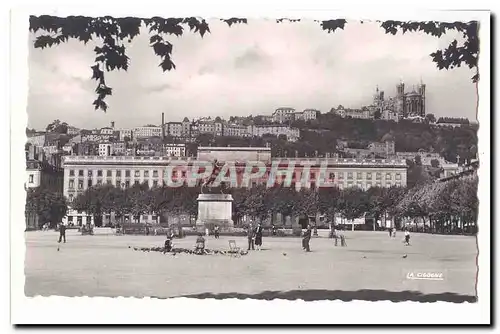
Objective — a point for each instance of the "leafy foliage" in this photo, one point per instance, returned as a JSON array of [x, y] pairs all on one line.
[[113, 33], [440, 200], [329, 201], [454, 55], [353, 203], [50, 207], [57, 127]]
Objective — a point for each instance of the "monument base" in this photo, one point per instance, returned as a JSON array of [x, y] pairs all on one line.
[[214, 210]]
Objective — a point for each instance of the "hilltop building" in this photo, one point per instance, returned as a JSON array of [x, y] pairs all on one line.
[[404, 104]]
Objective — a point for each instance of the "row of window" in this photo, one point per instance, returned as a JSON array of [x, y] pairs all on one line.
[[369, 184], [359, 175], [118, 183], [100, 173], [378, 175], [145, 173], [78, 219]]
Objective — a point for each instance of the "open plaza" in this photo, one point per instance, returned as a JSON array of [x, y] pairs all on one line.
[[373, 266]]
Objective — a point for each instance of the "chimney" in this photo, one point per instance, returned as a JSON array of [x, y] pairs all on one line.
[[163, 126]]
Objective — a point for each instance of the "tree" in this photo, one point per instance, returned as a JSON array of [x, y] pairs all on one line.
[[282, 200], [376, 202], [435, 163], [114, 33], [430, 118], [414, 203], [115, 201], [159, 199], [306, 203], [57, 127], [92, 201], [393, 197], [50, 207], [464, 200], [328, 202], [239, 202], [255, 204], [417, 174], [353, 203], [139, 198], [418, 160]]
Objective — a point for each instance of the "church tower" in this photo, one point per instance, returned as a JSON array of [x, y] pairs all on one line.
[[421, 91], [400, 99]]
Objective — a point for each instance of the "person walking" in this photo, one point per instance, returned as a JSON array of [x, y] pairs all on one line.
[[336, 236], [343, 243], [216, 231], [407, 237], [62, 232], [306, 238], [390, 232], [258, 236], [250, 236]]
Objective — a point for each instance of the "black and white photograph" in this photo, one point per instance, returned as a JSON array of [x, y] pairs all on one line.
[[254, 159]]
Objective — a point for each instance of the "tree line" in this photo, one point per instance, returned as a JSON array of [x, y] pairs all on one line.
[[441, 206]]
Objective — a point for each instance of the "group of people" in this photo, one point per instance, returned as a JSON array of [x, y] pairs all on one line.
[[339, 235], [392, 233], [254, 236]]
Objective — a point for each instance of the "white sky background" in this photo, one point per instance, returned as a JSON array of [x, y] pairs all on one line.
[[246, 69]]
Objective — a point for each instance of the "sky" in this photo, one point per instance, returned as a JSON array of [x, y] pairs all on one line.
[[246, 69]]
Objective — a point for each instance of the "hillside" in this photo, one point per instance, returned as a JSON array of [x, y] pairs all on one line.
[[321, 136]]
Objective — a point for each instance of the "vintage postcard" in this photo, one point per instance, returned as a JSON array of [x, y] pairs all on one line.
[[203, 159]]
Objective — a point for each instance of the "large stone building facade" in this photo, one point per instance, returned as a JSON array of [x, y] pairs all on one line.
[[82, 172]]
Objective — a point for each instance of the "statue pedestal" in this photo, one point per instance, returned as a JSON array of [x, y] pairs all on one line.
[[214, 209]]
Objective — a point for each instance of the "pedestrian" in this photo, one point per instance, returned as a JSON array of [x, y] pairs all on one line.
[[250, 236], [407, 237], [306, 238], [168, 243], [216, 231], [200, 244], [258, 236], [390, 232], [393, 232], [274, 230], [336, 236], [207, 232], [343, 243], [62, 232]]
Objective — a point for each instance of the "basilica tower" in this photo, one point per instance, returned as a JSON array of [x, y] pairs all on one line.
[[400, 99], [421, 91]]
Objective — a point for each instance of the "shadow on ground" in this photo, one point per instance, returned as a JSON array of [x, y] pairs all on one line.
[[367, 295]]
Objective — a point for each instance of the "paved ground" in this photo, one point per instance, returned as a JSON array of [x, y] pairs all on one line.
[[372, 267]]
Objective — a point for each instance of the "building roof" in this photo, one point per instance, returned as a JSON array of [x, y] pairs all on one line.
[[387, 137], [412, 93]]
